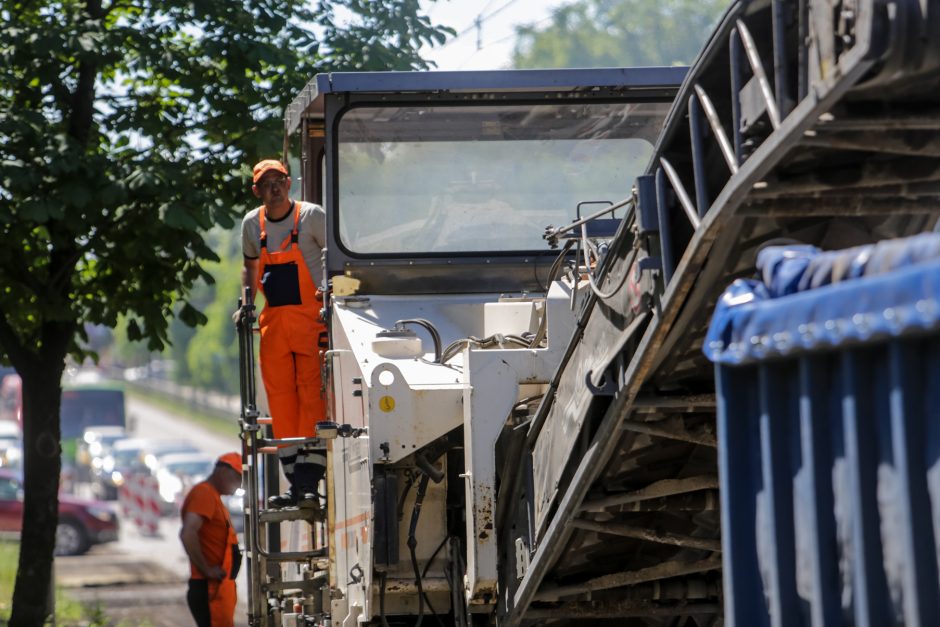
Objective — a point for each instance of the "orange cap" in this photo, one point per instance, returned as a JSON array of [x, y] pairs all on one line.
[[265, 166], [232, 460]]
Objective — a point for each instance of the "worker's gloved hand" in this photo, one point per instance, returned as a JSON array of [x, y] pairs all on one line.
[[237, 315], [216, 572]]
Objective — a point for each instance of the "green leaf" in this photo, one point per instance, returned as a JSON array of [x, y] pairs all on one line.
[[192, 316]]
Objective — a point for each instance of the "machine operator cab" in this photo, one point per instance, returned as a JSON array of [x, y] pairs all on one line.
[[444, 317], [444, 181]]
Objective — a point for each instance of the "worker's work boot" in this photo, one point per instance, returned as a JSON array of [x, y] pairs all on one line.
[[280, 501], [287, 499], [308, 471], [287, 455]]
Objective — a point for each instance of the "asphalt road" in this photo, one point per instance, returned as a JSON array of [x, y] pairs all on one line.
[[155, 423], [141, 578]]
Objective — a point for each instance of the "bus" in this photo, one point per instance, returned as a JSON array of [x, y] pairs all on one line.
[[99, 403]]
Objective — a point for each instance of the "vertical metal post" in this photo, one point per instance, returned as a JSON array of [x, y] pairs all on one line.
[[665, 228], [738, 446], [868, 578], [646, 212], [802, 56], [696, 132], [778, 407], [816, 386], [737, 83], [781, 66], [908, 433]]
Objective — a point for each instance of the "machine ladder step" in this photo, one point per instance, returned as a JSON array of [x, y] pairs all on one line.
[[295, 556], [286, 514], [307, 586], [269, 445]]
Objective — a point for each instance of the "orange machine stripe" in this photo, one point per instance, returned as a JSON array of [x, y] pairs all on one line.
[[355, 520]]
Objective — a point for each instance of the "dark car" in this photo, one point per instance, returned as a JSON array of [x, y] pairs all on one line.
[[82, 523]]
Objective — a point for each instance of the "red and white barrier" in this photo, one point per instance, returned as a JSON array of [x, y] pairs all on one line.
[[139, 497]]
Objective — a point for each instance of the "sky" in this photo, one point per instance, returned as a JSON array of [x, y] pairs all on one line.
[[498, 19]]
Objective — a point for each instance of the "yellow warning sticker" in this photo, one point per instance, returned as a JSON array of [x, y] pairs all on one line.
[[387, 404]]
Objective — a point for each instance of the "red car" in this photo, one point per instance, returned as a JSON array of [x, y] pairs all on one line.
[[81, 523]]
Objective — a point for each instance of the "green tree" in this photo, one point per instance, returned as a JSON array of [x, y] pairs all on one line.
[[211, 358], [124, 130], [618, 33]]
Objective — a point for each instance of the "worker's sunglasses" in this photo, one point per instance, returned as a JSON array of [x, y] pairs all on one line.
[[271, 183]]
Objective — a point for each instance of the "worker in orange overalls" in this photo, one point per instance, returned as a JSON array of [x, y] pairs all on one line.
[[282, 242], [212, 545]]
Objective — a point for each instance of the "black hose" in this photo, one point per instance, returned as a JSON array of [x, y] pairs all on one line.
[[440, 546], [436, 474], [404, 495], [413, 543], [382, 577], [427, 324], [458, 601]]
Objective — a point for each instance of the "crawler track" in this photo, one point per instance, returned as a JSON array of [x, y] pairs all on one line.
[[800, 121]]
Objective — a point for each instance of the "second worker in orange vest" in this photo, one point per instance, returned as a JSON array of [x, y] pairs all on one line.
[[212, 546], [282, 242]]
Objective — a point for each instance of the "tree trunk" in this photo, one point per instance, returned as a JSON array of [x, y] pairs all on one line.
[[42, 396]]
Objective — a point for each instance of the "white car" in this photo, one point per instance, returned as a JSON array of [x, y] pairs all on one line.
[[11, 444], [176, 473], [10, 429]]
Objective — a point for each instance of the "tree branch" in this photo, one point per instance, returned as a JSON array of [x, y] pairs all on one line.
[[83, 98], [21, 357]]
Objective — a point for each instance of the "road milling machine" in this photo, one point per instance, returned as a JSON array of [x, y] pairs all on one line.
[[520, 269]]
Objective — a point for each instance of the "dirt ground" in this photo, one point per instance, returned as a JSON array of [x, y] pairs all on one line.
[[130, 591]]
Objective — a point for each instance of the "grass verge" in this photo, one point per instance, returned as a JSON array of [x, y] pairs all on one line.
[[68, 612], [222, 426]]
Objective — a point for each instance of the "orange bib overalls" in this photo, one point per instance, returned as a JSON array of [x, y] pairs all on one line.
[[291, 333], [222, 594]]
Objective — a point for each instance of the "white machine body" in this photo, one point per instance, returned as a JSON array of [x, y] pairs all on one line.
[[395, 406]]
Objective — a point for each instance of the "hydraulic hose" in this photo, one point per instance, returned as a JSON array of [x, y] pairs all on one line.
[[429, 326], [383, 576], [413, 543]]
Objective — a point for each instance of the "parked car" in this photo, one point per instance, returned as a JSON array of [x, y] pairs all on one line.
[[10, 429], [134, 455], [154, 450], [82, 523], [123, 459], [176, 473], [11, 444], [11, 453], [94, 446]]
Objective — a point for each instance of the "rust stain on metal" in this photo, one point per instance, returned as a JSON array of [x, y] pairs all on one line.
[[485, 595], [484, 512]]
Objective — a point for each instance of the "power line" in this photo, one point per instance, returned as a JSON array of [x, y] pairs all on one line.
[[497, 11], [501, 40], [478, 23], [486, 6]]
